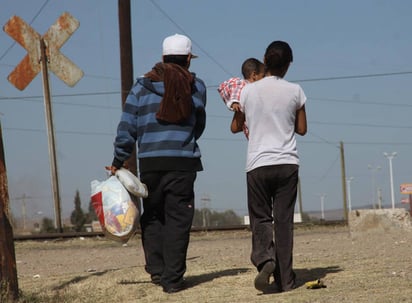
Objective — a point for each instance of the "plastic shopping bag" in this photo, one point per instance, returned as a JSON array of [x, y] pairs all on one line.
[[118, 214], [131, 183]]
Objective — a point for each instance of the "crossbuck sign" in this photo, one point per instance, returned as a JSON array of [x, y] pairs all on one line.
[[43, 53], [53, 40]]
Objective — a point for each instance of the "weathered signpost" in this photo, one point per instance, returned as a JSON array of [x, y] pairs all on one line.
[[43, 54]]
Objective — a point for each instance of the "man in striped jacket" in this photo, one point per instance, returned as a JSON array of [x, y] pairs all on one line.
[[165, 114]]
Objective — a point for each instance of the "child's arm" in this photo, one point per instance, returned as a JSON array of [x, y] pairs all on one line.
[[237, 122]]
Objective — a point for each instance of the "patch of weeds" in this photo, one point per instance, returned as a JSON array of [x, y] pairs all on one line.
[[49, 297], [5, 294]]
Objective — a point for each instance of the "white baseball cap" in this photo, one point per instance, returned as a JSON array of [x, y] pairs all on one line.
[[177, 45]]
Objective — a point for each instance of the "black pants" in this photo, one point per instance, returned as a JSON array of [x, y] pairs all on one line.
[[166, 222], [272, 194]]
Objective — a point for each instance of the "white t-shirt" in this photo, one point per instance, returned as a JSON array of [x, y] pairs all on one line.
[[270, 106]]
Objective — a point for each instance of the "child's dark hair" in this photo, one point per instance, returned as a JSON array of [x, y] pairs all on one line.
[[251, 65], [278, 55]]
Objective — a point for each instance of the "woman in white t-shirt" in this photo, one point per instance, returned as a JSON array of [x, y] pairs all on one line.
[[275, 111]]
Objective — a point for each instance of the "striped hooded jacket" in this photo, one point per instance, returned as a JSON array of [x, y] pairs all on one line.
[[161, 146]]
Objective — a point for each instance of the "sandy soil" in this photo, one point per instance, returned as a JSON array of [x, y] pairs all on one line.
[[366, 267]]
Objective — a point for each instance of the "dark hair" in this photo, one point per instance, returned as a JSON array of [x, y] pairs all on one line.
[[176, 59], [278, 55], [251, 65]]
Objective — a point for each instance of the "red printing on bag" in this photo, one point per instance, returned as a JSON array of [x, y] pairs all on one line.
[[97, 203]]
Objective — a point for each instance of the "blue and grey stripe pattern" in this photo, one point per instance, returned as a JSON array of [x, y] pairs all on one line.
[[156, 139]]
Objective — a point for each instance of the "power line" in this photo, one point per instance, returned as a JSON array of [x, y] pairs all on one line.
[[360, 102], [31, 21], [322, 140], [354, 77], [39, 130], [343, 77], [220, 65], [63, 95], [360, 124], [40, 99], [325, 174], [214, 86], [194, 41]]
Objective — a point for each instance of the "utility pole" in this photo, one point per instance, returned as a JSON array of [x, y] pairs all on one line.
[[342, 163], [390, 158], [322, 206], [205, 203], [349, 180], [51, 138], [8, 271], [23, 209], [374, 170], [379, 198], [126, 63]]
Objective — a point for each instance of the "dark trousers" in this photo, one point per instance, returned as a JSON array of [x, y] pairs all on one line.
[[166, 222], [272, 192]]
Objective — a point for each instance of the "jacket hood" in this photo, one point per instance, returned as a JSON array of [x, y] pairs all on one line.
[[157, 88]]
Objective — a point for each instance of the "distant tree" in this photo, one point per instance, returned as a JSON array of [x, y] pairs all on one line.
[[231, 218], [91, 215], [225, 218], [47, 226], [77, 217], [206, 217]]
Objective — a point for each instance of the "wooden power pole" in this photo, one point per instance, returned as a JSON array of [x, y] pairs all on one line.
[[8, 272], [342, 162], [126, 63]]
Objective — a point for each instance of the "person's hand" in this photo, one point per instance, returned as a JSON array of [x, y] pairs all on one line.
[[112, 169], [236, 107]]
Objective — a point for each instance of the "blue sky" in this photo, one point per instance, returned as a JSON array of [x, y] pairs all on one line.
[[352, 59]]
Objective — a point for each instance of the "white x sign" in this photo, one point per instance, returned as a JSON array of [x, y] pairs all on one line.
[[54, 38]]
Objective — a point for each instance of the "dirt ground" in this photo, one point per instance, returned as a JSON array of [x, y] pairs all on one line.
[[366, 267]]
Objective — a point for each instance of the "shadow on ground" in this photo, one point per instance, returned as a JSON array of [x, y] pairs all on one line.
[[194, 280], [203, 278], [304, 275]]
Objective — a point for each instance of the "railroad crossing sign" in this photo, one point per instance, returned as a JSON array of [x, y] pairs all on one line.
[[43, 53], [53, 40]]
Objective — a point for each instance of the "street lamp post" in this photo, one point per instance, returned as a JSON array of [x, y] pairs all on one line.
[[322, 206], [374, 170], [390, 157], [348, 181]]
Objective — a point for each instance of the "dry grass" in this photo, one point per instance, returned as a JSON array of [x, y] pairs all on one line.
[[371, 267]]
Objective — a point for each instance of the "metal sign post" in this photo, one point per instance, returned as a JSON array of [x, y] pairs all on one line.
[[43, 53], [51, 138]]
